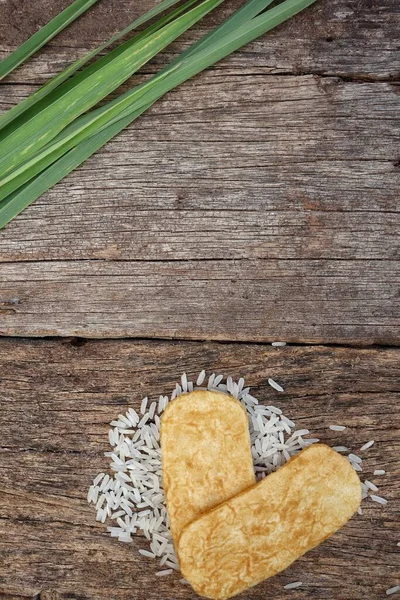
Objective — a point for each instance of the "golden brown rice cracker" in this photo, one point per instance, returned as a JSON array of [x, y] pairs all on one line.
[[206, 454], [265, 528]]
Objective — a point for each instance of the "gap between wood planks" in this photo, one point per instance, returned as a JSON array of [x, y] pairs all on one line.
[[81, 341], [393, 78]]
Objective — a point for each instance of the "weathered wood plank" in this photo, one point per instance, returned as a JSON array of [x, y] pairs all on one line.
[[56, 399], [285, 185], [291, 222], [263, 300], [270, 167], [359, 39], [288, 180]]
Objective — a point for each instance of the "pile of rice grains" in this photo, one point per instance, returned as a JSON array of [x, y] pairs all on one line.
[[133, 496]]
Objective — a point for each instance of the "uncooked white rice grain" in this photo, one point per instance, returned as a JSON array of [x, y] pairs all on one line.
[[275, 385], [201, 378], [340, 448], [100, 501], [117, 514], [393, 590], [210, 383], [378, 499], [249, 399], [355, 458], [379, 472], [218, 380], [152, 410], [184, 382], [356, 466], [143, 406], [337, 427], [367, 445], [117, 461], [147, 553], [301, 432], [288, 421], [143, 420], [371, 486], [293, 586], [98, 479], [278, 344], [134, 415], [311, 441], [124, 420], [163, 573]]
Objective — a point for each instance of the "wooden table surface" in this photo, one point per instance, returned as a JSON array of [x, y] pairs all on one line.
[[257, 202]]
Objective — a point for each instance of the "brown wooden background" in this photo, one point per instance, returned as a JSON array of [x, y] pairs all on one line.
[[258, 202]]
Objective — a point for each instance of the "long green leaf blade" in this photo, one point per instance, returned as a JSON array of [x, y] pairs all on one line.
[[89, 124], [62, 89], [54, 83], [71, 136], [240, 32], [37, 132], [190, 64], [22, 198], [245, 13], [166, 79], [45, 34], [233, 40]]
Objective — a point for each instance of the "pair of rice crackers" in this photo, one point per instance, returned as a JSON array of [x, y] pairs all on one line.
[[230, 532]]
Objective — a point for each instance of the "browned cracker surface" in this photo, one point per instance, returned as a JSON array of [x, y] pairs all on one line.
[[206, 454], [265, 528]]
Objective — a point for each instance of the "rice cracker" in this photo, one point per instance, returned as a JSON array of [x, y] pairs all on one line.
[[206, 454], [264, 529]]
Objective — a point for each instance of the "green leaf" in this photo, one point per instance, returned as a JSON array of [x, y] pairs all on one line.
[[82, 128], [234, 33], [41, 37], [239, 32], [54, 83], [24, 196], [38, 131], [90, 124], [233, 39]]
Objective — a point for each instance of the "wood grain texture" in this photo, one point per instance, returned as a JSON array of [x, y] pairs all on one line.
[[355, 39], [231, 300], [263, 167], [258, 201], [56, 399], [261, 230]]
